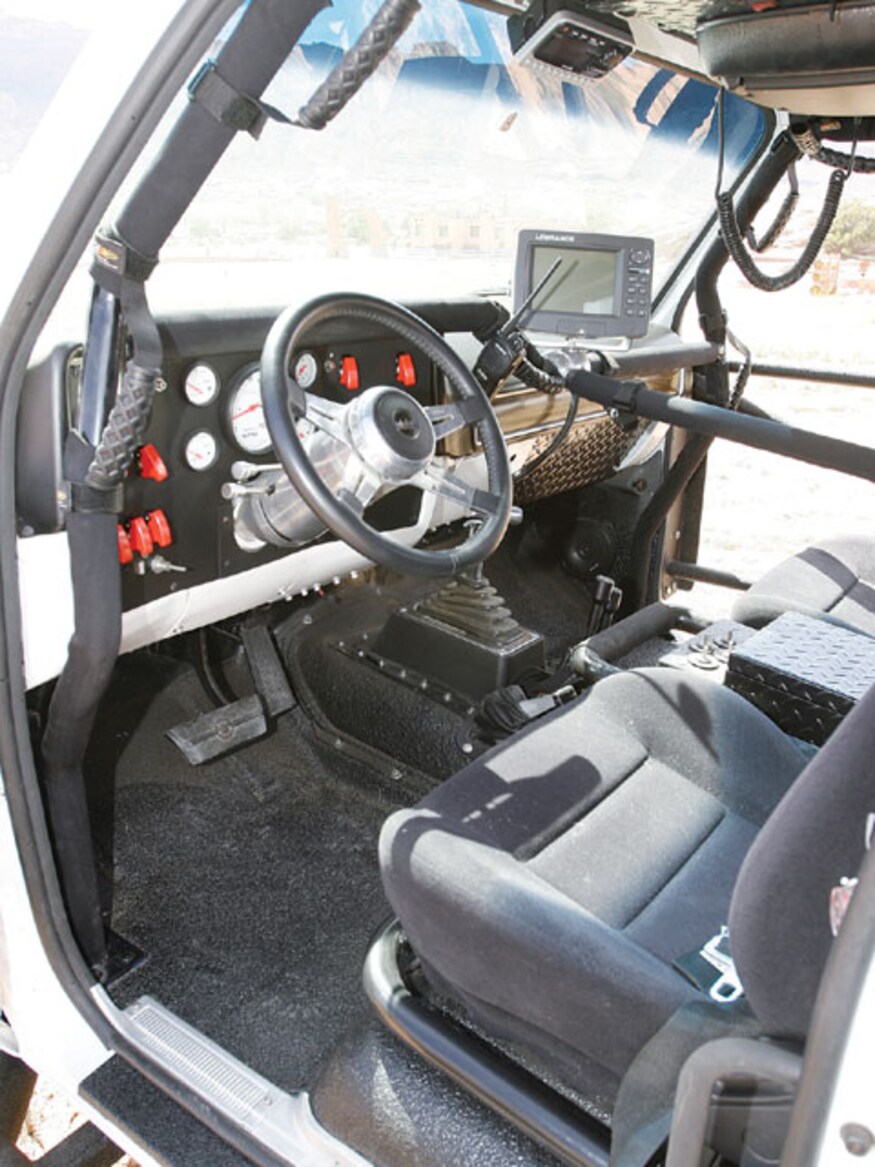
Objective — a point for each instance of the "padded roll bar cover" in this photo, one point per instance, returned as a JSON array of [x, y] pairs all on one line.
[[250, 58], [789, 43], [774, 436], [626, 634]]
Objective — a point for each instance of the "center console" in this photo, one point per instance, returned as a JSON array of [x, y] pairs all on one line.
[[804, 673]]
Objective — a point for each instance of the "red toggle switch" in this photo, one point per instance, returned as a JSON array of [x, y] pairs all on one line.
[[349, 374], [159, 528], [405, 371], [151, 463], [140, 536], [125, 551]]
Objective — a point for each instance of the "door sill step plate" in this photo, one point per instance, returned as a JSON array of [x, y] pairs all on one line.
[[282, 1122]]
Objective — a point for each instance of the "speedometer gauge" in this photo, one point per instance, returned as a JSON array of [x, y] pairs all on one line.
[[246, 415]]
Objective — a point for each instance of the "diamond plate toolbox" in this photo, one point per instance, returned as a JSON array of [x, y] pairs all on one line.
[[804, 673]]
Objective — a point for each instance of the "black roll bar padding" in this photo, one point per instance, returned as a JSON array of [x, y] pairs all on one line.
[[266, 33], [249, 59], [714, 421], [821, 376], [783, 152], [630, 632], [698, 573], [676, 481], [73, 709]]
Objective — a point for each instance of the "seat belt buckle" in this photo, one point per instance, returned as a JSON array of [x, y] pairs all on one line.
[[727, 987]]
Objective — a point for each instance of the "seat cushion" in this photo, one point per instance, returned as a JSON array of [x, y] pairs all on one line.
[[835, 579], [550, 884]]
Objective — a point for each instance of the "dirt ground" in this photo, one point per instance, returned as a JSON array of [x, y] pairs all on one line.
[[759, 507], [49, 1120]]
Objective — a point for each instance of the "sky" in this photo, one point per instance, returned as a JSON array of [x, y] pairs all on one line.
[[81, 13]]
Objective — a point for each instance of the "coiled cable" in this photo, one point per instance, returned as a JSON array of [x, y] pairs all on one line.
[[783, 217], [744, 260], [732, 236]]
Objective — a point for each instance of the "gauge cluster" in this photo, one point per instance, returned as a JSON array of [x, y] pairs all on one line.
[[210, 418], [207, 432]]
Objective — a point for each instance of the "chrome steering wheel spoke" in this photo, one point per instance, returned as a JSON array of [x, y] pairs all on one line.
[[386, 437], [327, 416], [444, 483], [360, 485], [453, 416]]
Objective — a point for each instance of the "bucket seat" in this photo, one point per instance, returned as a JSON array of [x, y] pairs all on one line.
[[552, 886], [834, 579]]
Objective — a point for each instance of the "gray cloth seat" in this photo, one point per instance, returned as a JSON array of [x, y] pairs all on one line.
[[549, 886], [834, 579]]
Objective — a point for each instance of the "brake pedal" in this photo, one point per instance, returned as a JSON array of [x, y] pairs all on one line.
[[218, 732]]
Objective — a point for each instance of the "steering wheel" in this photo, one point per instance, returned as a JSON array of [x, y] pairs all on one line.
[[388, 438]]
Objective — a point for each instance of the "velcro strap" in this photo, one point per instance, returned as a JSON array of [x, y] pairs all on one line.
[[88, 500], [236, 110], [626, 399], [112, 255]]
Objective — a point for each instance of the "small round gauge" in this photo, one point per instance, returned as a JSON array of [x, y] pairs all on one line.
[[306, 370], [201, 385], [201, 450], [246, 415]]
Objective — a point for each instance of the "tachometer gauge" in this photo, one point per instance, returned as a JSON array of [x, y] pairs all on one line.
[[201, 385], [246, 415], [306, 370], [201, 450]]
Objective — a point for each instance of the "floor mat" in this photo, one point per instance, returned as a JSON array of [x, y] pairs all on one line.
[[251, 882]]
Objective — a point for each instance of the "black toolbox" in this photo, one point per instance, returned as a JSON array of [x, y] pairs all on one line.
[[804, 673]]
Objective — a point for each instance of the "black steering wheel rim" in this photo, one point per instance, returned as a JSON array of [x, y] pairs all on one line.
[[285, 403]]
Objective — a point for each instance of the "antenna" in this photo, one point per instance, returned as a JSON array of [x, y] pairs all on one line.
[[529, 300]]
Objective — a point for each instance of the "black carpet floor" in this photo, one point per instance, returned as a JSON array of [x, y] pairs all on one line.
[[250, 882]]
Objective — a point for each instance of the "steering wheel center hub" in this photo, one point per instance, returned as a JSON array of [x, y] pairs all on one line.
[[391, 433]]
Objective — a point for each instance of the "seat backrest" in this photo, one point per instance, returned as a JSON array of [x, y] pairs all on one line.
[[779, 921]]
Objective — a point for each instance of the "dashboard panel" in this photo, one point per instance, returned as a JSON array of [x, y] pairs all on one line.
[[209, 418], [177, 527]]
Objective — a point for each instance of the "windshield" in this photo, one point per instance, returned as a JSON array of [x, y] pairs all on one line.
[[36, 53], [420, 186]]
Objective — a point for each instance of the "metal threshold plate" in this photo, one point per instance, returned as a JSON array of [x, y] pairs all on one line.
[[282, 1122]]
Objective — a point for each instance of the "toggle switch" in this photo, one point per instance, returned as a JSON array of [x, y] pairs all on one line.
[[125, 551], [140, 536], [349, 374], [151, 463], [159, 528], [405, 370]]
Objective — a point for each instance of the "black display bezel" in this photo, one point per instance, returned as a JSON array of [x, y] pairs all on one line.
[[630, 315]]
